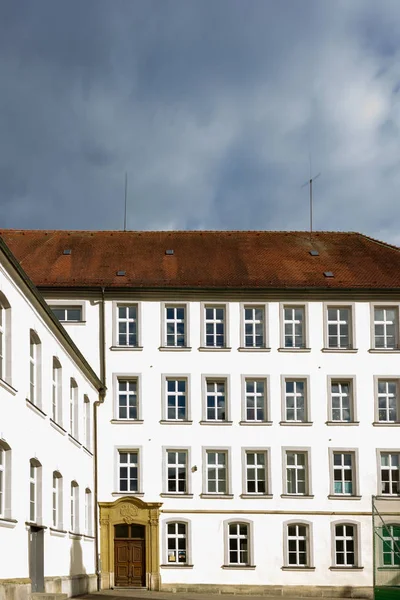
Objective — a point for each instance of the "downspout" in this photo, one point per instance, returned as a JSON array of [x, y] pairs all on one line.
[[102, 394]]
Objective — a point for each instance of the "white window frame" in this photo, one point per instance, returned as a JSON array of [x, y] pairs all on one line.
[[297, 467], [309, 544], [216, 379], [165, 379], [390, 468], [295, 379], [35, 491], [349, 380], [249, 536], [267, 467], [57, 501], [74, 507], [244, 321], [384, 306], [88, 512], [136, 377], [225, 321], [118, 450], [351, 325], [387, 379], [165, 535], [5, 339], [56, 392], [66, 306], [35, 369], [256, 394], [87, 422], [164, 324], [73, 409], [5, 480], [228, 483], [356, 544], [116, 341], [293, 306], [174, 449], [354, 472]]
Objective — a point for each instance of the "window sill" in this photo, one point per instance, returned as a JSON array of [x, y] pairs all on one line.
[[57, 532], [88, 537], [177, 495], [214, 349], [127, 421], [252, 423], [36, 409], [176, 566], [175, 348], [217, 496], [388, 568], [171, 422], [8, 387], [35, 524], [133, 494], [384, 424], [299, 568], [256, 496], [298, 496], [88, 452], [339, 350], [384, 350], [296, 423], [344, 568], [216, 422], [254, 349], [57, 427], [72, 322], [342, 423], [11, 523], [73, 535], [294, 349], [388, 497], [74, 441], [239, 567], [343, 497], [126, 348]]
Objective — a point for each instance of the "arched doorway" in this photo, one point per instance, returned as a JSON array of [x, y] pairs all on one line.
[[129, 543]]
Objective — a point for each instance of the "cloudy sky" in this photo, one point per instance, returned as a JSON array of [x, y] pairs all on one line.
[[212, 107]]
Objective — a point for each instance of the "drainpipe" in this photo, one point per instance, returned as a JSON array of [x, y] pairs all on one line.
[[102, 394]]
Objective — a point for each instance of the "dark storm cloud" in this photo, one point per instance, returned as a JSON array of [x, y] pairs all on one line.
[[211, 106]]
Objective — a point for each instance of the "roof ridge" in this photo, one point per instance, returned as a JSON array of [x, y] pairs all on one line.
[[184, 231], [380, 242]]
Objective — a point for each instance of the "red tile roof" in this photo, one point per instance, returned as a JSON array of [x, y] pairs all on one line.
[[205, 259]]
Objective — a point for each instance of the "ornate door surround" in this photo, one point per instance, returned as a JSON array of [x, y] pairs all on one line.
[[130, 510]]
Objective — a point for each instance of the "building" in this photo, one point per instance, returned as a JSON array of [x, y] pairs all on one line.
[[48, 394], [252, 405]]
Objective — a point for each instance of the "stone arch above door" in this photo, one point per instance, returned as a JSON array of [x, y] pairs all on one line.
[[130, 510]]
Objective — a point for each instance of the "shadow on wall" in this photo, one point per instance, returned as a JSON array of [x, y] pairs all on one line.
[[77, 571]]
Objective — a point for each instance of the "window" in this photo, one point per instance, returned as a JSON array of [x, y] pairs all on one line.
[[127, 325], [341, 401], [5, 339], [296, 473], [57, 500], [177, 403], [345, 545], [390, 469], [391, 545], [177, 543], [343, 473], [217, 472], [35, 490], [255, 400], [5, 480], [2, 480], [175, 326], [298, 542], [256, 472], [73, 409], [339, 327], [177, 474], [35, 360], [254, 327], [74, 507], [128, 399], [215, 326], [238, 544], [216, 403], [68, 313], [388, 397], [128, 471], [88, 512], [87, 422], [294, 327], [386, 325], [295, 400], [56, 400]]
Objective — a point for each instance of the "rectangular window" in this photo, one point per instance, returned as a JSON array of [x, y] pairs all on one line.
[[296, 473], [385, 327], [294, 327], [175, 325], [388, 401], [2, 479], [128, 472], [2, 342], [217, 472], [255, 400], [127, 325], [68, 313], [343, 473], [177, 542], [345, 545], [341, 401], [391, 545], [238, 543], [295, 400], [56, 392], [254, 326], [73, 409], [74, 507], [32, 493], [297, 542], [176, 399], [256, 472], [88, 512], [216, 400], [55, 500], [87, 423], [215, 326], [390, 469], [33, 370], [177, 472], [128, 399], [339, 327]]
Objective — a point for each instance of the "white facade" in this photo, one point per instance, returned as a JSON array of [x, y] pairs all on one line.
[[40, 456], [323, 433]]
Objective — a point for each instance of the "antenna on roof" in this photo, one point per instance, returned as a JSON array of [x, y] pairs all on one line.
[[126, 195], [310, 183]]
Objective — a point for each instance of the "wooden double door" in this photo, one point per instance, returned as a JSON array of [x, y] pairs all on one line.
[[129, 562]]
